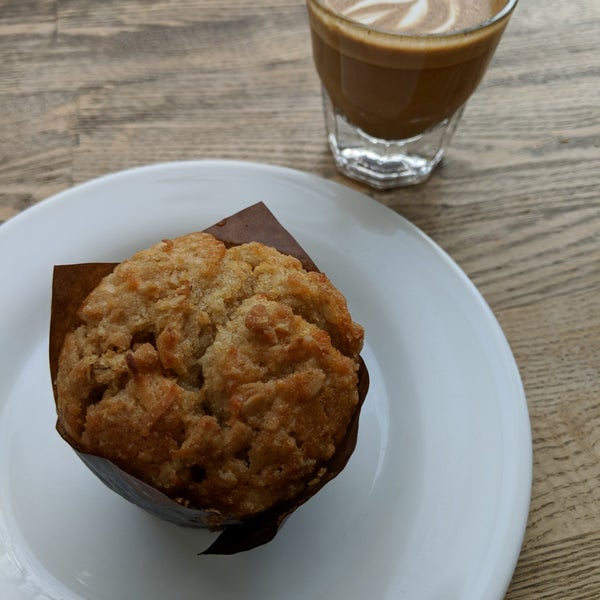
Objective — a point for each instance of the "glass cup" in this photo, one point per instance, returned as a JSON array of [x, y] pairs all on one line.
[[392, 101]]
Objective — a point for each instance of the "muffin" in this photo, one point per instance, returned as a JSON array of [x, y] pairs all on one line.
[[226, 378]]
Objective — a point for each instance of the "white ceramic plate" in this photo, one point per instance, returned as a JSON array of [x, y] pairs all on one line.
[[433, 503]]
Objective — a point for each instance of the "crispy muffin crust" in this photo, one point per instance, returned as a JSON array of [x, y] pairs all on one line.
[[223, 377]]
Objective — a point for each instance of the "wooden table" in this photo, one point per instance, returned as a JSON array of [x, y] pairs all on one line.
[[90, 87]]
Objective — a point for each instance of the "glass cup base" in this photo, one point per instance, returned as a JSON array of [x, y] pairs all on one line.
[[386, 164]]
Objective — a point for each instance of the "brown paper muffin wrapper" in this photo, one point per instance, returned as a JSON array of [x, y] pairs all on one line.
[[72, 283]]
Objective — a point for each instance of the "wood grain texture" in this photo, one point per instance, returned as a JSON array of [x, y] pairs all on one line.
[[90, 87]]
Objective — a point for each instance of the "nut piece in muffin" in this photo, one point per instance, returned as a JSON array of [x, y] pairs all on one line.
[[225, 378]]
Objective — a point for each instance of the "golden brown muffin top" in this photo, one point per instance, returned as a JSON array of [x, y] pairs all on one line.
[[223, 377]]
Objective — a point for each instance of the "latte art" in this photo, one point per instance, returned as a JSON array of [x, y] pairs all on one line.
[[417, 16]]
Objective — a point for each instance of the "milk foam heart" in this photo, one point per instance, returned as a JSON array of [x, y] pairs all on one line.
[[417, 16]]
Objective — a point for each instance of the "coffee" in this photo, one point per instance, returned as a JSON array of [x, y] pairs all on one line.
[[396, 69]]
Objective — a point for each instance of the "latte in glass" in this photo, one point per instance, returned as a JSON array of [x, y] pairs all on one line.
[[396, 70]]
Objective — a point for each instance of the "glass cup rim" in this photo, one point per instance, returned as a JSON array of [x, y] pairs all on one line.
[[501, 14]]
